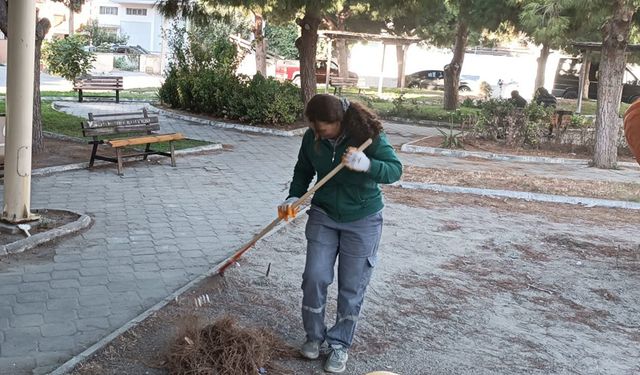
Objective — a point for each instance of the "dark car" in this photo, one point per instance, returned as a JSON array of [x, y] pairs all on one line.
[[567, 79], [431, 79]]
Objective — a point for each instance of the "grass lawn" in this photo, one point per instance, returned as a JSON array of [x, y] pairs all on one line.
[[61, 123], [145, 93]]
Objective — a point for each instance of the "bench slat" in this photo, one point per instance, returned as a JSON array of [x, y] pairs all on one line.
[[92, 132], [119, 122], [146, 139], [130, 114]]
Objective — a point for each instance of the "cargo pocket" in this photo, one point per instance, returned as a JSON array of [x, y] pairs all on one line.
[[372, 260]]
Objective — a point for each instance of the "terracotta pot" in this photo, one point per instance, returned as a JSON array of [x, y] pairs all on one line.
[[632, 128]]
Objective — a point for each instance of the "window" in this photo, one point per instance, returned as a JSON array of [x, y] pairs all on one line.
[[109, 10], [136, 12]]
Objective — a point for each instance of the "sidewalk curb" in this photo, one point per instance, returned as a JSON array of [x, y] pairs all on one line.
[[79, 358], [75, 99], [85, 165], [412, 149], [41, 238], [427, 123], [523, 195], [233, 126]]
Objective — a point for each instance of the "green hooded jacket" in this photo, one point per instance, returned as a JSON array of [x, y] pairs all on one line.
[[349, 195]]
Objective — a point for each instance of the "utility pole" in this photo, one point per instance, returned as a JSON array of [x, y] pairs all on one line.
[[19, 108]]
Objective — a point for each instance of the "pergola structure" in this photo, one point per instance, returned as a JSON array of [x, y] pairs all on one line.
[[588, 48], [19, 111], [384, 39]]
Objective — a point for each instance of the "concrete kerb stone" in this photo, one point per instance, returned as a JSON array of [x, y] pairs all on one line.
[[79, 358], [76, 166], [41, 238], [427, 123], [527, 196], [412, 148], [225, 125], [75, 99]]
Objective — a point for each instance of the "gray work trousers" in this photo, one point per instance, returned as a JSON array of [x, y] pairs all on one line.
[[356, 245]]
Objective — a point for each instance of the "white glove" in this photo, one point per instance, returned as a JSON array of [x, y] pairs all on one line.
[[357, 160], [285, 211]]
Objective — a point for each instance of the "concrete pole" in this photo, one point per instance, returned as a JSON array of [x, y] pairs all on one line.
[[582, 77], [19, 103], [381, 78], [328, 67]]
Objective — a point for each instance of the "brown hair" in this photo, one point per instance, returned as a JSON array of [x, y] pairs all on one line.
[[356, 121]]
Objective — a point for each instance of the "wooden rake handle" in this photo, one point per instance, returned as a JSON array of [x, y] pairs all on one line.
[[238, 254]]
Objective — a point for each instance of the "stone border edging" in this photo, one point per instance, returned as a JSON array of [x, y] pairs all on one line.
[[429, 123], [113, 101], [77, 166], [79, 358], [41, 238], [535, 197], [234, 126], [413, 149]]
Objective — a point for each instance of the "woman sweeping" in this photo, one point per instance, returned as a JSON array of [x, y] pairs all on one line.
[[345, 218]]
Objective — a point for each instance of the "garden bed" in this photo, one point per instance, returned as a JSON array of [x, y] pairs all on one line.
[[549, 149], [505, 180]]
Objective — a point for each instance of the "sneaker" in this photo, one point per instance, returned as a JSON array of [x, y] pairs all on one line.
[[337, 361], [310, 349]]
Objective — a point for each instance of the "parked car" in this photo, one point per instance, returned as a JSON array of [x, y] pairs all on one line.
[[290, 69], [567, 80], [431, 79]]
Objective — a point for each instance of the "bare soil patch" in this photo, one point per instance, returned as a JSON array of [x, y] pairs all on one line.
[[503, 179], [549, 149], [463, 285], [49, 219]]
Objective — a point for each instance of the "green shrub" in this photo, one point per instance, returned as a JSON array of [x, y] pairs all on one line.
[[269, 101], [67, 58], [502, 120], [201, 78]]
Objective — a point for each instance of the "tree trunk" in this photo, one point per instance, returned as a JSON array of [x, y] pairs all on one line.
[[307, 45], [587, 67], [261, 45], [71, 21], [453, 69], [542, 65], [401, 59], [42, 28], [615, 39]]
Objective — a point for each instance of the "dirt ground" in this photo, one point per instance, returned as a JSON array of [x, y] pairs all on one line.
[[545, 150], [463, 285], [502, 179]]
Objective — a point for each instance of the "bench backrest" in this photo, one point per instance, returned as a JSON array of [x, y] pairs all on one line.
[[107, 82], [343, 80], [114, 123]]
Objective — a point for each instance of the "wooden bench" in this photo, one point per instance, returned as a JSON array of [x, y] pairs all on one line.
[[339, 82], [134, 129], [98, 83]]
